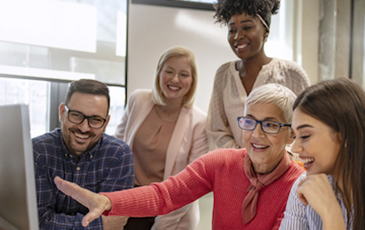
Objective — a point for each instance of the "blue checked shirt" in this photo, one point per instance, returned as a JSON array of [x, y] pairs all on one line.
[[107, 167], [300, 217]]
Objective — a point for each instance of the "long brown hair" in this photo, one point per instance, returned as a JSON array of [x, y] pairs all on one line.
[[340, 104]]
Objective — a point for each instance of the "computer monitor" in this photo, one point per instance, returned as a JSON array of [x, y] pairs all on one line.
[[18, 201]]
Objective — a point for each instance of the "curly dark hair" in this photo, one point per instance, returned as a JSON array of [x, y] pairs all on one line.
[[225, 9]]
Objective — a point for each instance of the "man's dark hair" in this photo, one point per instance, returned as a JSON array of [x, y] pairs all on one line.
[[88, 86]]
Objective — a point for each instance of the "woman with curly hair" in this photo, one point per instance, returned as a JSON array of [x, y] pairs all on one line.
[[248, 23]]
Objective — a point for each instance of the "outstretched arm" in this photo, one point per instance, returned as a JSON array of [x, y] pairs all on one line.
[[96, 203], [157, 199]]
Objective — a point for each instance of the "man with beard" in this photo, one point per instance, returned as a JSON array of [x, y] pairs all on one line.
[[80, 152]]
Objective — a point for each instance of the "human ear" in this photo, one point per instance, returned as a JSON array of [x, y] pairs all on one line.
[[291, 137], [61, 110], [106, 123]]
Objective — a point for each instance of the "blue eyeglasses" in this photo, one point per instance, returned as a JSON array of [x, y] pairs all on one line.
[[270, 127]]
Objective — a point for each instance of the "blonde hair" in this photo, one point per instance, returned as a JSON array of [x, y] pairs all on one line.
[[157, 95]]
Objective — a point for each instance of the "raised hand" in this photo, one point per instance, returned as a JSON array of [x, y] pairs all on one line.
[[96, 203]]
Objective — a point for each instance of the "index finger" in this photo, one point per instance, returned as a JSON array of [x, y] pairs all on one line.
[[72, 189]]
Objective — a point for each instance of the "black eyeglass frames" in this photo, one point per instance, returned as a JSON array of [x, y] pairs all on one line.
[[76, 117]]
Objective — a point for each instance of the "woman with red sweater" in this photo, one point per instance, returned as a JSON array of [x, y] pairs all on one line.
[[250, 185]]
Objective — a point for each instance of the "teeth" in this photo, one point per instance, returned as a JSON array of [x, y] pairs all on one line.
[[259, 146], [174, 87], [81, 136], [308, 160], [241, 46]]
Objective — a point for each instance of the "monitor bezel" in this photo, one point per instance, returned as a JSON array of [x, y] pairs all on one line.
[[15, 122], [177, 3]]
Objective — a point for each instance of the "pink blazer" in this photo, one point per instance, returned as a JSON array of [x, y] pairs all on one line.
[[188, 142]]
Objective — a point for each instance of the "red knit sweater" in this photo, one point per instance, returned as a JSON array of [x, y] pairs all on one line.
[[220, 171]]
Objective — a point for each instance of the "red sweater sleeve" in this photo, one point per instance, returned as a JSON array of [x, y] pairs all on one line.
[[162, 198]]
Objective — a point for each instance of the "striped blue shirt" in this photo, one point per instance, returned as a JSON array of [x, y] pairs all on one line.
[[297, 216], [107, 167]]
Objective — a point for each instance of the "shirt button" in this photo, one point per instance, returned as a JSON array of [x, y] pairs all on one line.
[[78, 168]]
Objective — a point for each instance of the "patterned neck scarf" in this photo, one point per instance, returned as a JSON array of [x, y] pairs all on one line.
[[258, 182]]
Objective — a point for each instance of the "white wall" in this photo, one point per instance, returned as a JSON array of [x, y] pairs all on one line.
[[153, 29], [307, 32]]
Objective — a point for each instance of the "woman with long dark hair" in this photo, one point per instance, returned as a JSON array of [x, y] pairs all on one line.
[[329, 123]]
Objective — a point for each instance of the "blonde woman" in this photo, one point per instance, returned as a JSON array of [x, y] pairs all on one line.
[[166, 132]]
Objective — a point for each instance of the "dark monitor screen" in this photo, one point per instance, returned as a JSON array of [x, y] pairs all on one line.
[[18, 201], [192, 4]]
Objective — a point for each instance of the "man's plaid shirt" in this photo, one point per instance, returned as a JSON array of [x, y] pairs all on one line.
[[107, 167]]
